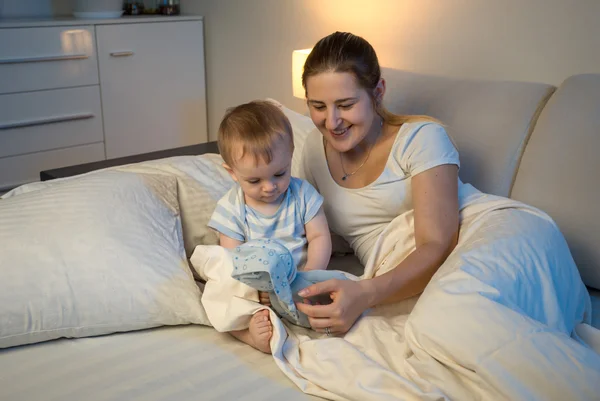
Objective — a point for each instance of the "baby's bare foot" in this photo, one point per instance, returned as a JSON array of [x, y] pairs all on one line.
[[261, 331]]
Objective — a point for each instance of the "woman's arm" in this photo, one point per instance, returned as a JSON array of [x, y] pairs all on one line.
[[319, 242], [435, 199]]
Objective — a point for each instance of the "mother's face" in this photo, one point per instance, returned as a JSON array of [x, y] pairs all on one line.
[[342, 110]]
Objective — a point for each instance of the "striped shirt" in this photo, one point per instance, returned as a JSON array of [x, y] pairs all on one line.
[[301, 202]]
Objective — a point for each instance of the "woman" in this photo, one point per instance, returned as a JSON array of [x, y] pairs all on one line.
[[344, 92], [373, 166]]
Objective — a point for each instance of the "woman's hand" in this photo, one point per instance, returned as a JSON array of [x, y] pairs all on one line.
[[349, 301], [263, 298]]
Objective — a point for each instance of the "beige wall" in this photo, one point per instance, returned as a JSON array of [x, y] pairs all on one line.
[[249, 42]]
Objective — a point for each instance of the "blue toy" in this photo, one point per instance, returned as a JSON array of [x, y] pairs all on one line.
[[266, 265]]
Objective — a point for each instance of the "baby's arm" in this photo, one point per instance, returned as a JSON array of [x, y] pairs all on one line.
[[319, 242], [228, 242]]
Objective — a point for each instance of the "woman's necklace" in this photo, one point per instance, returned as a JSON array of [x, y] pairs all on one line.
[[346, 175]]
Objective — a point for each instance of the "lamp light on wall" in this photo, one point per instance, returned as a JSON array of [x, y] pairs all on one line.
[[298, 59]]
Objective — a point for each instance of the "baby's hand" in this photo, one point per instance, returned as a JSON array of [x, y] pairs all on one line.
[[263, 298]]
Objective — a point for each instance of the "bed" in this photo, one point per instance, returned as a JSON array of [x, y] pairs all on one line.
[[116, 261]]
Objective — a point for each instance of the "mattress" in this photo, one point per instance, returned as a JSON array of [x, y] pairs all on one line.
[[168, 363]]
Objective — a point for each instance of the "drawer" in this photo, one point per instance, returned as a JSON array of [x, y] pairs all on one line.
[[37, 121], [47, 58], [18, 170]]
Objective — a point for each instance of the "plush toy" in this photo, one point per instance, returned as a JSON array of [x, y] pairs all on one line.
[[267, 265]]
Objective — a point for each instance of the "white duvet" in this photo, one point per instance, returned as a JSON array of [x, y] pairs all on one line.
[[491, 325]]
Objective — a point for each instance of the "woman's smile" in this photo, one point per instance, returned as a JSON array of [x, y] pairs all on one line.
[[340, 132]]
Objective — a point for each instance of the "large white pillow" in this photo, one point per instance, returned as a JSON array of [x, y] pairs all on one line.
[[94, 255], [201, 182]]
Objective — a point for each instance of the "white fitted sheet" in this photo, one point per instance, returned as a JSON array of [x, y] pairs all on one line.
[[169, 363]]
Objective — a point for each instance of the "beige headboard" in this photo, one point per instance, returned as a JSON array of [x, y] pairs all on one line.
[[560, 169], [489, 120]]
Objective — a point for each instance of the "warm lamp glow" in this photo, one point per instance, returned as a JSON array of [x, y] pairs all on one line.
[[298, 59]]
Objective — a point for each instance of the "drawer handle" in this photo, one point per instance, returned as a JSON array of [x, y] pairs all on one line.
[[48, 120], [42, 59], [121, 54]]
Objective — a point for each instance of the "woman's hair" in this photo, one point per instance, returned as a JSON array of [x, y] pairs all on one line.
[[345, 52], [254, 128]]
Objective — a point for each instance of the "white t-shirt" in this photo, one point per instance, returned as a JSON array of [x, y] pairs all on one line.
[[360, 215]]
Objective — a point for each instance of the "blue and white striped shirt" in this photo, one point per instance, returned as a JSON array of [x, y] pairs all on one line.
[[301, 202]]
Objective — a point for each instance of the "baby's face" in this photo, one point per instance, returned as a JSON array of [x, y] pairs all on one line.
[[265, 183]]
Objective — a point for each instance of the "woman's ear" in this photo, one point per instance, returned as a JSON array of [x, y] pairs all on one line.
[[230, 171], [379, 91]]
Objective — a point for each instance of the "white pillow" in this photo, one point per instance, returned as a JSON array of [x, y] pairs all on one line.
[[94, 255], [201, 182]]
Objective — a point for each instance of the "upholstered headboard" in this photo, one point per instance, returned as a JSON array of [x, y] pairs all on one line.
[[490, 121], [560, 169]]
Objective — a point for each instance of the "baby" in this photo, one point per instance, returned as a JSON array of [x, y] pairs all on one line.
[[256, 143]]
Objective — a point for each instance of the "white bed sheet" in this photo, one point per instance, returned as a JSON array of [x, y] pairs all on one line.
[[169, 363]]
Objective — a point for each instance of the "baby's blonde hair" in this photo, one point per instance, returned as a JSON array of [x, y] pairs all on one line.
[[255, 127]]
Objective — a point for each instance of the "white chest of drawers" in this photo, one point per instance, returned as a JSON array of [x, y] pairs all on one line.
[[74, 91]]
